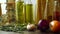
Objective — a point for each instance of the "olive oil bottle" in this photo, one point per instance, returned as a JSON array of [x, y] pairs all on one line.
[[19, 11], [29, 12]]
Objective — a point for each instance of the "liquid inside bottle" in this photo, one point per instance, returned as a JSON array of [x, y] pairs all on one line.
[[19, 11], [56, 13], [29, 12]]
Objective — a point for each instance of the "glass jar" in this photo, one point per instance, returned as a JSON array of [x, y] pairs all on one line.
[[10, 7]]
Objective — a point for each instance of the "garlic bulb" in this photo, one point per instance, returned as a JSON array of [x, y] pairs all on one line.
[[31, 27]]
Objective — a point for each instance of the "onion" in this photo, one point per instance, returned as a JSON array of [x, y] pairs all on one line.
[[55, 26], [43, 25]]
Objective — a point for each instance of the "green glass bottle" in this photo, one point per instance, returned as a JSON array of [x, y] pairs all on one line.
[[29, 12], [19, 11]]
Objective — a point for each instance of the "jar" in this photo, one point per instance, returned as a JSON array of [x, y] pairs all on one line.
[[10, 7]]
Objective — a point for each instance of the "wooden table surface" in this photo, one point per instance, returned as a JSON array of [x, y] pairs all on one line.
[[27, 32]]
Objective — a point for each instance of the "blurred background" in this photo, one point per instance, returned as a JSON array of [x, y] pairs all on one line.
[[4, 5]]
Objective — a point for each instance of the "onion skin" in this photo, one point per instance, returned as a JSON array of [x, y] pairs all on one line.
[[55, 26], [43, 25], [31, 27]]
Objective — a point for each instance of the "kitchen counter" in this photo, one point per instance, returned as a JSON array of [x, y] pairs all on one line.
[[27, 32]]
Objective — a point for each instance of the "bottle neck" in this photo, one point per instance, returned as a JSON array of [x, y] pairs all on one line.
[[20, 0], [28, 1]]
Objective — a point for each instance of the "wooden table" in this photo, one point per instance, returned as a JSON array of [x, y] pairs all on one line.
[[27, 32]]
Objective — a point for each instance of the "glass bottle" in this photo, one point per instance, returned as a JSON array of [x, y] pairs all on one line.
[[56, 13], [47, 9], [0, 13], [29, 11], [20, 11], [0, 10], [53, 11], [10, 1], [41, 9], [50, 10]]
